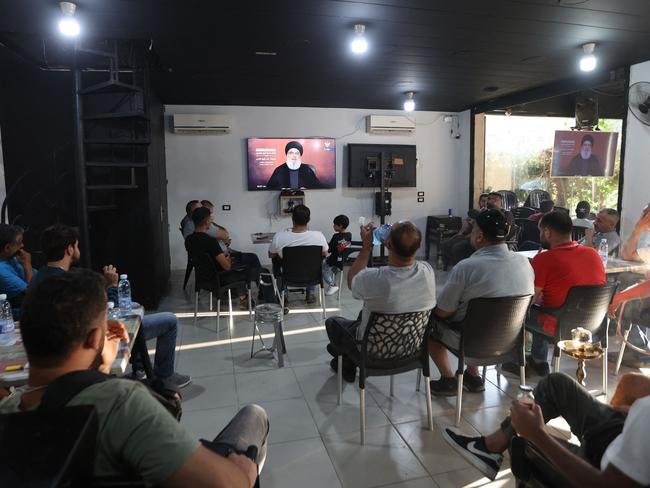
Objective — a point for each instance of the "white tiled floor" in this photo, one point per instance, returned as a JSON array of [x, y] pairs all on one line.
[[313, 441]]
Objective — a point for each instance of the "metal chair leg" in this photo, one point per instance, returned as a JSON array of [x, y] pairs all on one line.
[[498, 372], [619, 359], [392, 385], [210, 301], [218, 313], [459, 398], [322, 300], [362, 416], [339, 378], [231, 322], [522, 375], [429, 406], [417, 380], [250, 306], [605, 378], [556, 364], [338, 293], [484, 373], [196, 305]]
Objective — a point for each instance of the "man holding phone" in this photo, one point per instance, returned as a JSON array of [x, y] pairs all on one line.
[[15, 264]]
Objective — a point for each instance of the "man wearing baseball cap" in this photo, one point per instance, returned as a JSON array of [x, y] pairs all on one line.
[[293, 173], [492, 271]]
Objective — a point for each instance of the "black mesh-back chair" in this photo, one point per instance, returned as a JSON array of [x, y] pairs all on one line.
[[522, 212], [302, 267], [536, 197], [492, 332], [578, 232], [586, 307], [509, 199], [391, 344], [529, 230], [206, 266], [188, 267], [513, 237]]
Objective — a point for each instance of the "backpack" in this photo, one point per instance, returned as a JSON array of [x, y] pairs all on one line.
[[66, 387]]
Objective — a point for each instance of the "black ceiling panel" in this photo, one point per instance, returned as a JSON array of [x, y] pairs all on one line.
[[447, 51]]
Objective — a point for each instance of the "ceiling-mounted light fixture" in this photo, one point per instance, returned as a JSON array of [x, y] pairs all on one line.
[[359, 45], [68, 25], [588, 61], [409, 103], [508, 112]]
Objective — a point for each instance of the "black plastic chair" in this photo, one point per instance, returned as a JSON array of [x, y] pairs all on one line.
[[578, 232], [206, 266], [188, 267], [513, 237], [438, 228], [509, 199], [529, 230], [531, 468], [522, 212], [586, 307], [391, 344], [536, 197], [492, 332], [302, 267]]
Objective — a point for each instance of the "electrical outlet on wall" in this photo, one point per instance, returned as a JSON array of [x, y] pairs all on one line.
[[225, 208]]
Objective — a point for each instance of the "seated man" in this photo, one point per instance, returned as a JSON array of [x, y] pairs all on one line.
[[545, 207], [582, 212], [604, 229], [405, 285], [458, 247], [60, 244], [298, 235], [614, 438], [64, 330], [495, 200], [492, 271], [200, 242], [187, 226], [15, 264], [566, 264]]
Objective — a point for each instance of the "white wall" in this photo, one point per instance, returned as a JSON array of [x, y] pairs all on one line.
[[636, 183], [213, 167]]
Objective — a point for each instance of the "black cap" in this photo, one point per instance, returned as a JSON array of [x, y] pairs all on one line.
[[200, 214], [472, 213], [293, 145], [493, 223]]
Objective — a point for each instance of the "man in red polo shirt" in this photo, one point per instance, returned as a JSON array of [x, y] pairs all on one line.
[[566, 264]]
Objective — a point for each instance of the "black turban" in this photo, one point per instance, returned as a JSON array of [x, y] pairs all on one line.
[[293, 145]]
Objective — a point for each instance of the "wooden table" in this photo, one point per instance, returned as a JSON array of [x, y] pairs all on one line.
[[614, 265], [13, 359]]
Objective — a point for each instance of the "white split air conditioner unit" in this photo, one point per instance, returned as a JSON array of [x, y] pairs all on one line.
[[201, 124], [389, 124]]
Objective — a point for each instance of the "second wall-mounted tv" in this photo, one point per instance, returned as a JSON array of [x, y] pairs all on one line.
[[364, 163], [291, 163]]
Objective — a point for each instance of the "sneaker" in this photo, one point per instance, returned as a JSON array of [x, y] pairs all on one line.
[[349, 372], [138, 374], [310, 298], [473, 450], [473, 384], [513, 368], [444, 387], [332, 290], [332, 350], [180, 380]]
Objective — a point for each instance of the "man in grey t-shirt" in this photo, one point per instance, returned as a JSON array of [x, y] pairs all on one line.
[[604, 229], [492, 271], [405, 285]]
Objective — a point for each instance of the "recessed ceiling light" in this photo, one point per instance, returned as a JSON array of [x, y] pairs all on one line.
[[359, 44], [68, 25], [588, 62], [266, 53], [409, 103]]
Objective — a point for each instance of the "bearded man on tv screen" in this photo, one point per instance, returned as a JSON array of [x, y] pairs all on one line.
[[585, 163], [293, 173]]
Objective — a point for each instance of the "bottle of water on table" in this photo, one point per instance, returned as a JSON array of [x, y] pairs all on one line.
[[113, 312], [8, 336], [603, 251], [124, 294]]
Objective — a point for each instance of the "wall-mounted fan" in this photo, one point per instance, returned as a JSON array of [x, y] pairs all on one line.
[[639, 101]]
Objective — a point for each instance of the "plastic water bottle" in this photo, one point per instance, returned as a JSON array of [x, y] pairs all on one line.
[[113, 312], [381, 234], [8, 336], [124, 294], [603, 249], [450, 213]]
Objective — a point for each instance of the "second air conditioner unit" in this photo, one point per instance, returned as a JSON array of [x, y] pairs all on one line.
[[201, 124], [389, 124]]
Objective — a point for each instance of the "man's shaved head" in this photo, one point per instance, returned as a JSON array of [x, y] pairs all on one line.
[[405, 239]]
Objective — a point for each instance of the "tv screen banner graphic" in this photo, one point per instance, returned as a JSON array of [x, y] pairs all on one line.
[[584, 153], [278, 164]]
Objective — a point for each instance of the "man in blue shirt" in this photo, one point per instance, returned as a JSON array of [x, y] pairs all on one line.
[[60, 244], [15, 264]]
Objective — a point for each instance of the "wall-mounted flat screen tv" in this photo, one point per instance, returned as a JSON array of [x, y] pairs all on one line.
[[279, 164], [584, 153], [364, 165]]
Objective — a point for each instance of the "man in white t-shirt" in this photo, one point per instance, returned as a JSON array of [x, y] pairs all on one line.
[[614, 439], [298, 235], [405, 285]]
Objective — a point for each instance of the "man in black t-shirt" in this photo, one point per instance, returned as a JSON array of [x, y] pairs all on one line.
[[338, 243], [200, 243]]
